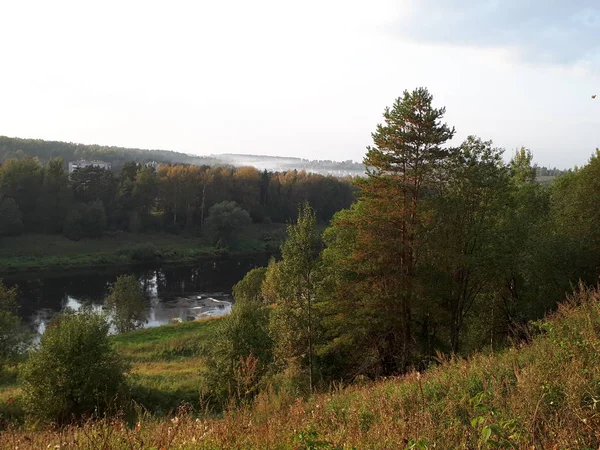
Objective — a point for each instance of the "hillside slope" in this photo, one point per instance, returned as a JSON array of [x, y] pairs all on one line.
[[541, 395]]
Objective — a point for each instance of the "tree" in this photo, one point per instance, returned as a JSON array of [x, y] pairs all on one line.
[[85, 221], [465, 241], [250, 287], [95, 219], [74, 227], [145, 191], [127, 304], [13, 337], [11, 222], [291, 285], [242, 350], [93, 183], [56, 197], [74, 372], [246, 189], [225, 220], [376, 247], [21, 179]]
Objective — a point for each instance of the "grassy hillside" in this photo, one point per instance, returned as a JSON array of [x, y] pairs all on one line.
[[542, 395]]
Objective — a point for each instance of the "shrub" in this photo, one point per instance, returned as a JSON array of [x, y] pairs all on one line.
[[74, 372], [143, 253]]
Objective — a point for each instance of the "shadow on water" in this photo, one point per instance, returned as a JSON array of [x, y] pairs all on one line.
[[174, 293]]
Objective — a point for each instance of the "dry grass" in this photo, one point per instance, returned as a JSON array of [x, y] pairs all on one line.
[[544, 395]]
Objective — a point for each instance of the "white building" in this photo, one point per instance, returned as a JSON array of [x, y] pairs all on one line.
[[74, 165]]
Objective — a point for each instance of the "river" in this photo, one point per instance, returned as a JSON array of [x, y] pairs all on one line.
[[174, 293]]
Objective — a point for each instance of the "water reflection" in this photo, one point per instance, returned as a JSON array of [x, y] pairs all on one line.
[[173, 293]]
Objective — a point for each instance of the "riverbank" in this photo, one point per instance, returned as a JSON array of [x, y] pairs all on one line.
[[40, 252]]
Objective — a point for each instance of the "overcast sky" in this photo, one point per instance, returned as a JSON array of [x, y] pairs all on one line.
[[303, 78]]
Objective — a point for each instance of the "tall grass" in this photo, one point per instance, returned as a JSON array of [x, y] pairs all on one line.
[[542, 395]]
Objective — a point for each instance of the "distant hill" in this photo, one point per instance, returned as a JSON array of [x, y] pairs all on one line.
[[117, 156], [69, 151]]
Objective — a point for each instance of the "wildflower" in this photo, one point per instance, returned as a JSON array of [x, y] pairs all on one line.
[[138, 426]]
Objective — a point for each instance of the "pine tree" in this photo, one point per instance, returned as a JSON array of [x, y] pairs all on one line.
[[375, 247]]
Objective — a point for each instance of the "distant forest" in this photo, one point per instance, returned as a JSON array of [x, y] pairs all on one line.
[[44, 197]]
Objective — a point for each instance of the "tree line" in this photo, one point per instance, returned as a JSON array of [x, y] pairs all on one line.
[[37, 197]]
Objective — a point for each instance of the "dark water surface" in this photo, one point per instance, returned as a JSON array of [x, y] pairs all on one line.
[[174, 293]]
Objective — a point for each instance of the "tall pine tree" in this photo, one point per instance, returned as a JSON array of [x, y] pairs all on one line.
[[374, 249]]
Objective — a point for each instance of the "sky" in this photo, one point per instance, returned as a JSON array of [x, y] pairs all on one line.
[[306, 78]]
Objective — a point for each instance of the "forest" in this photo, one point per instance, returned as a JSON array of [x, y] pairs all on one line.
[[446, 251], [44, 198]]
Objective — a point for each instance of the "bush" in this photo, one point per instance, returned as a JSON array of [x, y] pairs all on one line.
[[74, 372], [143, 253]]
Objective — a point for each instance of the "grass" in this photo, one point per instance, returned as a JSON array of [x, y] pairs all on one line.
[[53, 252], [166, 363], [165, 368], [540, 395]]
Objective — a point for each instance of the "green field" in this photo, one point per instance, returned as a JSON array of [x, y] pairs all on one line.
[[52, 252]]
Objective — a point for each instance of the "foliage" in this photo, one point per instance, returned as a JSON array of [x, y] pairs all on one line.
[[85, 220], [250, 287], [146, 197], [291, 285], [13, 337], [127, 304], [74, 372], [374, 249], [240, 354], [11, 222], [224, 222]]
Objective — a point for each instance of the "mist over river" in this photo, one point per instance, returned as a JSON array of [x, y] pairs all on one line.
[[174, 293]]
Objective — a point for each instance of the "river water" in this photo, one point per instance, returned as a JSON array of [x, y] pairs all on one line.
[[174, 293]]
